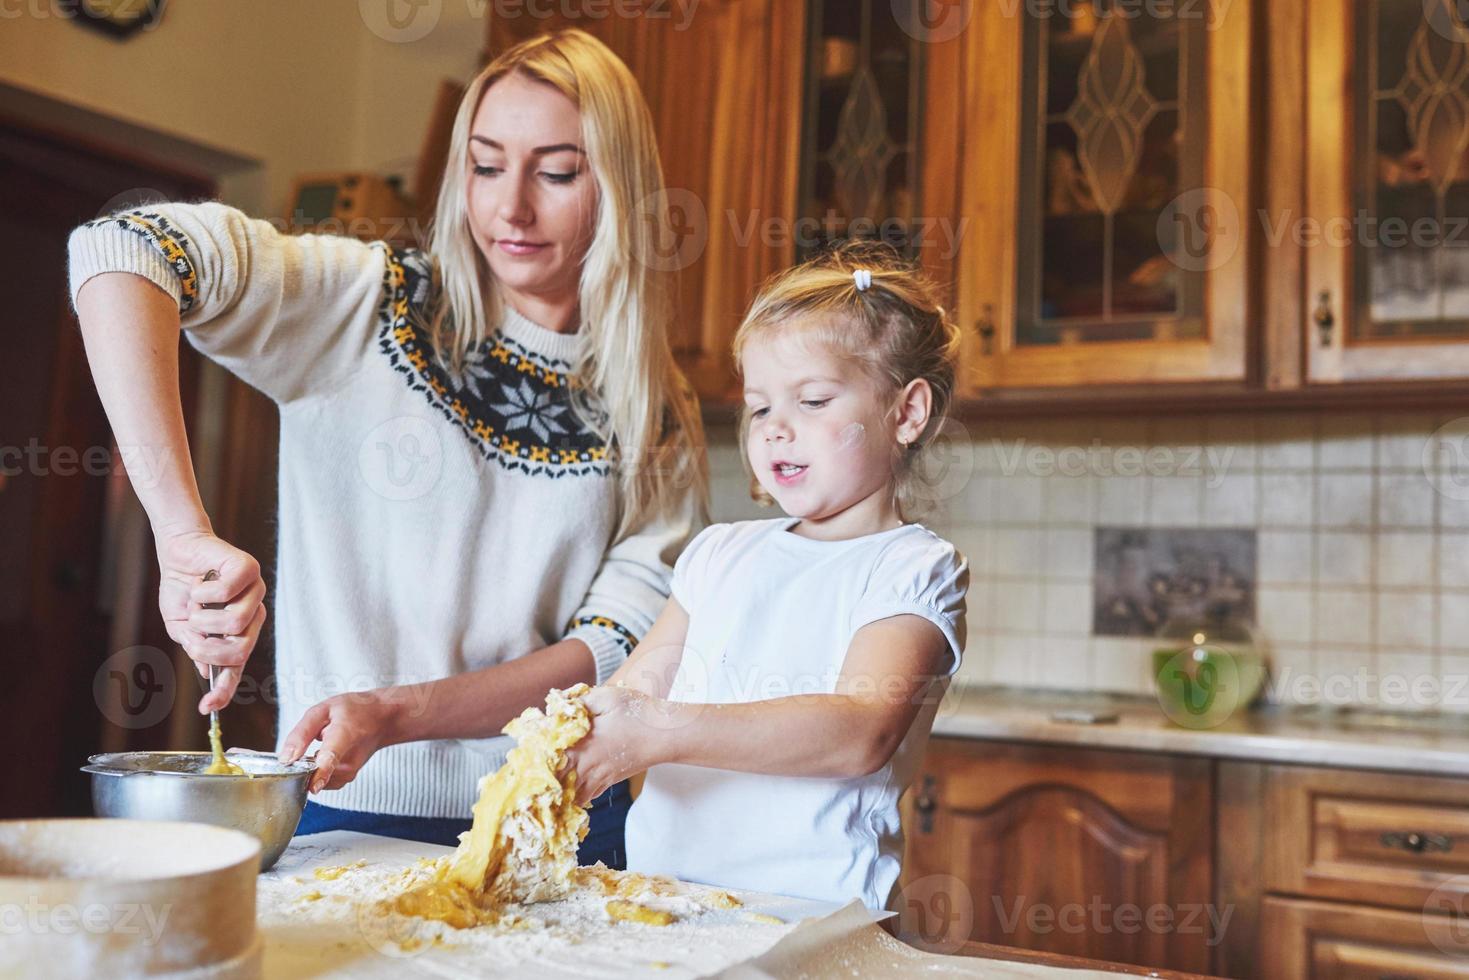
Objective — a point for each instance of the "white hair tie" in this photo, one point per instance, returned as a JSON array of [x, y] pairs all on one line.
[[862, 278]]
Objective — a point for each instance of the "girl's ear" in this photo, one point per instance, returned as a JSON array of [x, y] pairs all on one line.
[[915, 402]]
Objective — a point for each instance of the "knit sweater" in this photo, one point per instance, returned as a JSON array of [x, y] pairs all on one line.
[[431, 522]]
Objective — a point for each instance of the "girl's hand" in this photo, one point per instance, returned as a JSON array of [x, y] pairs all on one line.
[[351, 727], [226, 634], [623, 742]]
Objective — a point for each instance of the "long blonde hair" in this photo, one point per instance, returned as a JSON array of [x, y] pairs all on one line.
[[646, 410], [894, 328]]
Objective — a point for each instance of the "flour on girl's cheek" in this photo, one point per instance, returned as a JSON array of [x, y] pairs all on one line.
[[853, 436]]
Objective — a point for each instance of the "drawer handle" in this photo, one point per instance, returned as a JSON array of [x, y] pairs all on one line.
[[1416, 843]]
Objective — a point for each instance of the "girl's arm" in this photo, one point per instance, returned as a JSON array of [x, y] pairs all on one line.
[[889, 669], [650, 668]]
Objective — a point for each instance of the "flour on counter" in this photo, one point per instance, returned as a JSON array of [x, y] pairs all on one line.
[[341, 922]]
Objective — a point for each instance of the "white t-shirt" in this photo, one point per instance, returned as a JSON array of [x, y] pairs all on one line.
[[771, 614]]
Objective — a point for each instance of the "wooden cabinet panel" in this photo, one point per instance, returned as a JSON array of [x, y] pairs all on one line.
[[1193, 228], [1304, 939], [1385, 106], [1378, 838], [1068, 851]]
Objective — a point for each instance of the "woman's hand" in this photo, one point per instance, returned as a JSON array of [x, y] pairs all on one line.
[[225, 634], [625, 739], [351, 727]]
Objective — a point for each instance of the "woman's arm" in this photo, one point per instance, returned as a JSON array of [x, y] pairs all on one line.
[[131, 331], [890, 667], [475, 704]]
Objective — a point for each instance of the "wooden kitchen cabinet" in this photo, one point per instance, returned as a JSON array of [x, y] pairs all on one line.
[[1105, 162], [1050, 844], [1305, 940], [1384, 101], [1297, 871]]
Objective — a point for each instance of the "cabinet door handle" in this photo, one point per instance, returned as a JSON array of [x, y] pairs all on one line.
[[924, 805], [1324, 319], [985, 327], [1416, 843]]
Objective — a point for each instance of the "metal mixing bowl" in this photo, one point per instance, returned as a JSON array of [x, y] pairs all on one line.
[[266, 803]]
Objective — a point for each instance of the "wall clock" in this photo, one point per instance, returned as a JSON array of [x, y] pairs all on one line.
[[120, 19]]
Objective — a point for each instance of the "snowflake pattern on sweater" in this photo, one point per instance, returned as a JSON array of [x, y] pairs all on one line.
[[512, 403]]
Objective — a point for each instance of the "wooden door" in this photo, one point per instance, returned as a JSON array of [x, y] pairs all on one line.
[[60, 481]]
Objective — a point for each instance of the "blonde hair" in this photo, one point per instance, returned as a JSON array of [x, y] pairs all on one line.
[[647, 412], [894, 328]]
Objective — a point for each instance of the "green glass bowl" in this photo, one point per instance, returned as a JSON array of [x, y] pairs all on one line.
[[1205, 686]]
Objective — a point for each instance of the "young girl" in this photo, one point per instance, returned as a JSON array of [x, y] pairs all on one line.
[[783, 698]]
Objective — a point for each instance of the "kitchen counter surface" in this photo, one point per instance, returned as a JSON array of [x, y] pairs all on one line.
[[1339, 737], [314, 926]]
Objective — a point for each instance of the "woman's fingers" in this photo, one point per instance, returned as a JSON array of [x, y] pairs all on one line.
[[307, 730], [238, 574], [235, 616], [223, 691], [326, 768]]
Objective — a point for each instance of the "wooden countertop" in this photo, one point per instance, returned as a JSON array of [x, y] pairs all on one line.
[[1432, 744]]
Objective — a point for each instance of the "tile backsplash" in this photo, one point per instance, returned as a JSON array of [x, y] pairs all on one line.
[[1362, 539]]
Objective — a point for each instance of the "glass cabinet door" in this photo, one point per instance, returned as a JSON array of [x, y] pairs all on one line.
[[1387, 190], [1104, 175]]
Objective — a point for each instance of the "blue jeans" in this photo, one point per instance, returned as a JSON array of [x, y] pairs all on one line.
[[603, 842]]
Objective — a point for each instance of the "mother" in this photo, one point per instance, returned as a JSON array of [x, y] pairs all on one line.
[[488, 458]]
